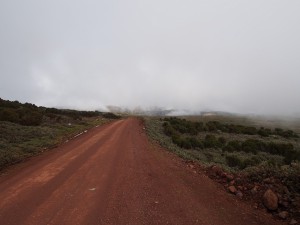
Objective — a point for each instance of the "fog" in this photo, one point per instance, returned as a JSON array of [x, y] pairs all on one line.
[[234, 56]]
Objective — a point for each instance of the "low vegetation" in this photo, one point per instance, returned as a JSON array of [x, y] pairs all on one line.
[[27, 130], [252, 158], [185, 134]]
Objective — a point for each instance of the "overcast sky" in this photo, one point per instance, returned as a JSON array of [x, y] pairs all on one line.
[[236, 55]]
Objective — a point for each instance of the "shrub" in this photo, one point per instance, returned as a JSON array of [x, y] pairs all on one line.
[[32, 119], [232, 146], [181, 142], [168, 129], [195, 143], [264, 132], [110, 115], [234, 161], [222, 141], [285, 133], [176, 140], [253, 146], [10, 115], [211, 141], [249, 130], [279, 148], [292, 155], [251, 161], [188, 127], [187, 143], [185, 127], [212, 126]]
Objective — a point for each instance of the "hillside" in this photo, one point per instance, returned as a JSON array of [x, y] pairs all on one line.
[[27, 130]]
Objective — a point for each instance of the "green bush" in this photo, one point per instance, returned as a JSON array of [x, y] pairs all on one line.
[[252, 161], [168, 129], [188, 127], [31, 118], [10, 115], [253, 146], [187, 142], [195, 143], [292, 155], [264, 132], [211, 141], [285, 133], [184, 126], [110, 115], [234, 161], [222, 141], [242, 161], [232, 146]]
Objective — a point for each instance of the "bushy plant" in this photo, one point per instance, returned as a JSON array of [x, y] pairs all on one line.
[[8, 114], [195, 143], [232, 146], [184, 126], [234, 161], [211, 141], [110, 115]]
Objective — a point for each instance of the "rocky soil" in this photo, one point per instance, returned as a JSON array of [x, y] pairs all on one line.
[[269, 194]]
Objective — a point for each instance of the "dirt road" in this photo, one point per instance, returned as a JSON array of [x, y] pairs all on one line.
[[113, 175]]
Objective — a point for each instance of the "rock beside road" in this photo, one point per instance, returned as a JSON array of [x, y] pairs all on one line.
[[270, 200], [270, 193], [293, 222], [283, 215], [232, 189]]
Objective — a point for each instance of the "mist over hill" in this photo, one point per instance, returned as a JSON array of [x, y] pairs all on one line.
[[188, 56]]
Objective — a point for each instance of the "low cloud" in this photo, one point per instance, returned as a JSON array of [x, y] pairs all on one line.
[[237, 56]]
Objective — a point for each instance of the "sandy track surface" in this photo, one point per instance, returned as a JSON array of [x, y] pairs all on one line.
[[113, 175]]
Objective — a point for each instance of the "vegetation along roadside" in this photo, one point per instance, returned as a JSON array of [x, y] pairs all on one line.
[[255, 163], [27, 130]]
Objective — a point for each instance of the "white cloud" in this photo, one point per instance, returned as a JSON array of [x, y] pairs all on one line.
[[240, 56]]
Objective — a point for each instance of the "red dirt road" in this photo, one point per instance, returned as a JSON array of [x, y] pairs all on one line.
[[113, 175]]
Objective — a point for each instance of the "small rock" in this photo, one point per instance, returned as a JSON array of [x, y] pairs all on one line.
[[191, 166], [293, 222], [286, 190], [284, 204], [224, 175], [217, 171], [270, 200], [232, 189], [232, 182], [239, 194], [283, 215], [240, 188], [268, 180], [229, 177], [295, 203], [279, 197], [238, 180], [254, 190]]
